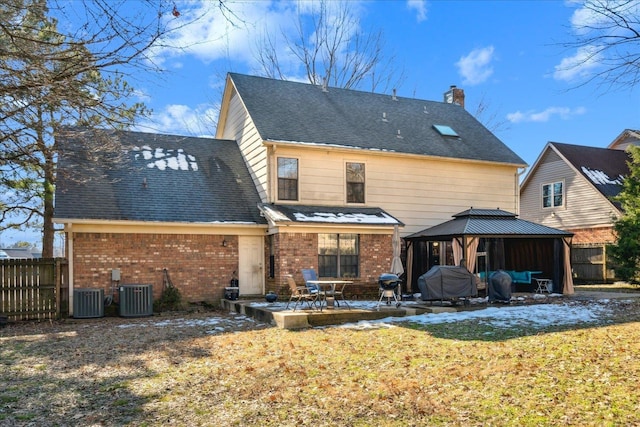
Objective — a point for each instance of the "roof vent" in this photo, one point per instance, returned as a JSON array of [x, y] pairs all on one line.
[[394, 97], [384, 117], [324, 85], [425, 110], [398, 135]]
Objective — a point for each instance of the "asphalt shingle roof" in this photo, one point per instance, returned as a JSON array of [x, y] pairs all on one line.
[[166, 178], [298, 112], [603, 167], [487, 223]]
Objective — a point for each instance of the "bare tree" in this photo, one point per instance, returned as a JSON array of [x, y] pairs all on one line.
[[329, 47], [608, 42], [489, 117], [49, 81], [52, 77]]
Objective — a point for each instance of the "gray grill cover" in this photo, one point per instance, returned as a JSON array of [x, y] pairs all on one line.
[[446, 281], [499, 286]]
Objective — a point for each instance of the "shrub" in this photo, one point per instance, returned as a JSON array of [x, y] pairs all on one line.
[[171, 299]]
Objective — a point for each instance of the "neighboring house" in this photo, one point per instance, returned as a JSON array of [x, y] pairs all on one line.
[[18, 253], [332, 172], [626, 138], [571, 187]]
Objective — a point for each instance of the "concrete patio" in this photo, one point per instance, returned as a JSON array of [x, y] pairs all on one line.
[[277, 314]]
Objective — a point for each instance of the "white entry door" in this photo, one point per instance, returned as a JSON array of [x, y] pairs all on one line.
[[251, 260]]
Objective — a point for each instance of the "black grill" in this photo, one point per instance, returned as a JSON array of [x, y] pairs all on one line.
[[388, 281]]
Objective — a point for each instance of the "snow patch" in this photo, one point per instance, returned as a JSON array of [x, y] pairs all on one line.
[[601, 178], [164, 159]]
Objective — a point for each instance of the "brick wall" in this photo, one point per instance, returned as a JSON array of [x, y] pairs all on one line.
[[199, 266], [593, 235], [295, 251]]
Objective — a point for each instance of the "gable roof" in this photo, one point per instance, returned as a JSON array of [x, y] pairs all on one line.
[[165, 178], [627, 136], [604, 168], [285, 111], [487, 223]]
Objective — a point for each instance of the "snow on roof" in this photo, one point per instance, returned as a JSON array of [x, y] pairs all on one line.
[[345, 218], [599, 177], [275, 214], [164, 159]]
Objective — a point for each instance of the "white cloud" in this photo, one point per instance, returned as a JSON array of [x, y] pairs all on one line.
[[204, 32], [475, 68], [420, 7], [182, 120], [207, 35], [581, 64], [587, 18], [564, 113]]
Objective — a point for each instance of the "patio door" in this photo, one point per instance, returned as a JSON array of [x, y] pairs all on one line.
[[251, 260]]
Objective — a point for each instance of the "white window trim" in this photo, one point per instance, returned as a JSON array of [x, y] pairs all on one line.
[[564, 195], [277, 195], [344, 180]]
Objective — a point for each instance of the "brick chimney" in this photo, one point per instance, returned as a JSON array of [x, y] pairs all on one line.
[[454, 96]]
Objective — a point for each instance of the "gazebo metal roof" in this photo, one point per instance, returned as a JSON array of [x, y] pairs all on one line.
[[487, 223]]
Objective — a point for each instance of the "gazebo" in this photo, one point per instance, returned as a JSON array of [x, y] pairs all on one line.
[[485, 240]]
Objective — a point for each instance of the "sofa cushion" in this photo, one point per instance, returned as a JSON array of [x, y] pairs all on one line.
[[520, 276]]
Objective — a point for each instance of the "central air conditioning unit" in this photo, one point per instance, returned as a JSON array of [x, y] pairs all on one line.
[[136, 300], [88, 303]]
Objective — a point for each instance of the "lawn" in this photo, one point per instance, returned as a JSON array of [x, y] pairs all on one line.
[[217, 369]]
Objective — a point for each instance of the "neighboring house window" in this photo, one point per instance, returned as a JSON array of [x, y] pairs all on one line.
[[338, 255], [287, 178], [355, 182], [552, 195]]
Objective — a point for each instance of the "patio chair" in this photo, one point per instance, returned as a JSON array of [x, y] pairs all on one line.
[[301, 294], [309, 274]]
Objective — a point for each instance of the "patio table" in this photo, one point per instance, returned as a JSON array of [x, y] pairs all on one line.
[[328, 288]]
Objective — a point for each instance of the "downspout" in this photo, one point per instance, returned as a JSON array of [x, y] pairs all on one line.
[[70, 266], [518, 176]]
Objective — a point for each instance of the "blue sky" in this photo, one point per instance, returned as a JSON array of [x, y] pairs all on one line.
[[507, 54]]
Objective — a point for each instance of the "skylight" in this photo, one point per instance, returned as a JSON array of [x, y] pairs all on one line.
[[445, 130]]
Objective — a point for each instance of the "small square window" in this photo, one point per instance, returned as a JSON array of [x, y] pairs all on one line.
[[552, 195]]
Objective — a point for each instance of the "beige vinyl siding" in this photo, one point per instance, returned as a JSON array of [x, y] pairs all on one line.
[[241, 128], [422, 192], [584, 206]]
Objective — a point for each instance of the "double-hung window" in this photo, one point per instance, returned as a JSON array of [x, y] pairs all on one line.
[[355, 182], [287, 178], [553, 195], [338, 255]]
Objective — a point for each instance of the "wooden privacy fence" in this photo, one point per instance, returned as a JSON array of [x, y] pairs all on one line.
[[33, 289], [590, 263]]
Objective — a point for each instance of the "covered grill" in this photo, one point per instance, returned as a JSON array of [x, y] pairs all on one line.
[[388, 286], [447, 282]]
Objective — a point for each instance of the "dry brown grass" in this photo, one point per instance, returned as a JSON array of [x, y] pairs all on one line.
[[99, 373]]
